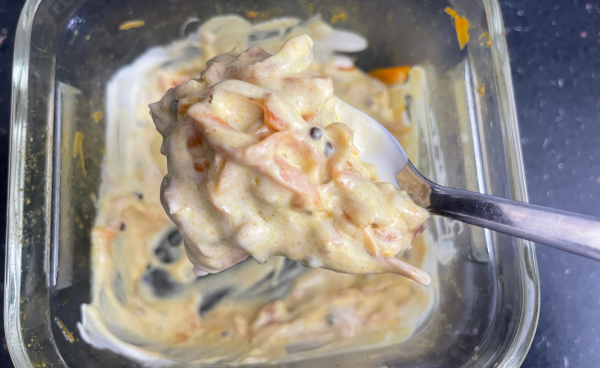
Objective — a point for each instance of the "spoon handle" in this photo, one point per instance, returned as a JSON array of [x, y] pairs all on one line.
[[571, 232]]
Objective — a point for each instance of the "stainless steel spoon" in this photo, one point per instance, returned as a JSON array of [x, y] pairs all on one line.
[[571, 232]]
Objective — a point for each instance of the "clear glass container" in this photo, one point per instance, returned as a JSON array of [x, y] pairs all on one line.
[[66, 51]]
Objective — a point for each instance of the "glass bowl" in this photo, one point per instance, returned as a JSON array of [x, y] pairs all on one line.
[[67, 50]]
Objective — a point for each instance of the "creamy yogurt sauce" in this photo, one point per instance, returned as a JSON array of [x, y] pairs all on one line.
[[147, 302], [260, 164]]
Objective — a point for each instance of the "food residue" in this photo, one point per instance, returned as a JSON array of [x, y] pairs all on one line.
[[395, 75], [481, 90], [252, 14], [488, 38], [78, 150], [97, 116], [66, 333], [462, 27], [338, 17], [136, 23], [280, 168]]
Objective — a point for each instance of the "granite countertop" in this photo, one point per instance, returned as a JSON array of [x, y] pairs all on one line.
[[554, 49]]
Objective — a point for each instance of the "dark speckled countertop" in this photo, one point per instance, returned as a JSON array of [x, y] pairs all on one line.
[[554, 49]]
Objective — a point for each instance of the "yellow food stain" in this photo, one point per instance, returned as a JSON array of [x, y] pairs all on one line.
[[97, 116], [78, 151], [395, 75], [338, 17], [487, 37], [481, 91], [462, 27], [136, 23], [261, 15], [68, 334], [310, 8]]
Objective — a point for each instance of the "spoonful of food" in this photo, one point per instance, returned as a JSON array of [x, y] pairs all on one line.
[[263, 160]]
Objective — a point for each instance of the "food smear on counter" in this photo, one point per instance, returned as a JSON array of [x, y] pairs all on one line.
[[148, 305], [262, 162], [461, 24]]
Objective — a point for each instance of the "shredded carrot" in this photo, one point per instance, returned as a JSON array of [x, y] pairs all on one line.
[[201, 166], [395, 75], [194, 141], [462, 27], [181, 337], [78, 151], [136, 23]]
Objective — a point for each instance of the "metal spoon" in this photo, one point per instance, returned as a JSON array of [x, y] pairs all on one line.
[[571, 232]]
